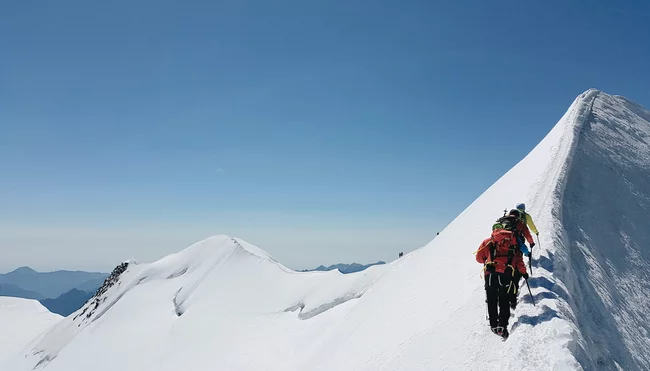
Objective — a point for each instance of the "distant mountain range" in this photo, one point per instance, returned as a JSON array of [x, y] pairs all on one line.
[[8, 289], [68, 302], [53, 284], [344, 268], [62, 292]]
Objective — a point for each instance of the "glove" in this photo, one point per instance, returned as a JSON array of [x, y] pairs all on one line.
[[532, 245], [537, 234], [528, 255], [525, 275]]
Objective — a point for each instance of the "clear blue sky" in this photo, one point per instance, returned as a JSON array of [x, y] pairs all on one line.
[[321, 131]]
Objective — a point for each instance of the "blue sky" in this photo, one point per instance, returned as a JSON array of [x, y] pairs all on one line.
[[321, 131]]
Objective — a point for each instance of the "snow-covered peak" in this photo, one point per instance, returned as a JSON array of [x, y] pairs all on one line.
[[602, 253], [223, 303], [210, 251], [216, 279]]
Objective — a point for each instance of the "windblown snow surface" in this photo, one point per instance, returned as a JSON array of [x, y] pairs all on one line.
[[223, 304], [21, 320]]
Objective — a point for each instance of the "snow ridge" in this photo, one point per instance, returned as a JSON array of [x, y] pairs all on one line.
[[198, 284], [604, 255], [223, 303]]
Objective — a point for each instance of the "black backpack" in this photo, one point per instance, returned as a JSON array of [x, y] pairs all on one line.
[[509, 222]]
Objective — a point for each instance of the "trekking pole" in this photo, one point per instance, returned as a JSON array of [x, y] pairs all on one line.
[[530, 258], [529, 292], [486, 297], [486, 303]]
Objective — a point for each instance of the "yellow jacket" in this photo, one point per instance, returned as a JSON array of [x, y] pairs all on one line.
[[528, 219]]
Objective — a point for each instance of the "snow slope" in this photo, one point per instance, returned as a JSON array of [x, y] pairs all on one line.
[[21, 320], [223, 304], [603, 255], [219, 303]]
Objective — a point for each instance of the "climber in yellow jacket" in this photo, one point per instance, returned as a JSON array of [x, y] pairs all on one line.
[[527, 218]]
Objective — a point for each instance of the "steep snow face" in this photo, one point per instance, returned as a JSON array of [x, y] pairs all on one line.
[[605, 256], [225, 304], [432, 312], [21, 320]]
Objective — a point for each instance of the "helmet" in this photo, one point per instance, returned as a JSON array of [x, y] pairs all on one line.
[[514, 212], [521, 207], [496, 226]]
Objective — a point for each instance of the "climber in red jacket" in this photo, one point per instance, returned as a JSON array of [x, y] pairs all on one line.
[[498, 254]]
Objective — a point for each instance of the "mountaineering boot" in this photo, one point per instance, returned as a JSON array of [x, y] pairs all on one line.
[[498, 330], [501, 331]]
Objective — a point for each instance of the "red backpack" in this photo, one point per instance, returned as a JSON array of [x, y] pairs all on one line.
[[503, 241], [503, 244]]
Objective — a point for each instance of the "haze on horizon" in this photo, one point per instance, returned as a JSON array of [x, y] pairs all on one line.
[[323, 133]]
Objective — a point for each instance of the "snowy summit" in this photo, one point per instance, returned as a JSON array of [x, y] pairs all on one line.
[[223, 304]]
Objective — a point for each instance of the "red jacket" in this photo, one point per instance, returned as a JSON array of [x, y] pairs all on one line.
[[521, 226], [518, 262], [500, 262]]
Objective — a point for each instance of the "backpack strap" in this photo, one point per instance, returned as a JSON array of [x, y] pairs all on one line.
[[489, 265], [511, 253], [493, 250]]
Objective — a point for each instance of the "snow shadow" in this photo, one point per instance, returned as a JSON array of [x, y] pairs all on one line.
[[178, 307], [177, 274], [303, 315], [544, 282], [539, 296], [544, 262], [546, 315]]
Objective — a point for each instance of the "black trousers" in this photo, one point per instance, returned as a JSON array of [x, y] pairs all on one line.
[[498, 298], [514, 291]]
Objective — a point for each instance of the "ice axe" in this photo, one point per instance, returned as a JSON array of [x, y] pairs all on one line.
[[530, 292]]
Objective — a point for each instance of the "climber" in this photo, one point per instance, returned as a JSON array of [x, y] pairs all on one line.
[[497, 253], [527, 218], [528, 221], [514, 223]]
